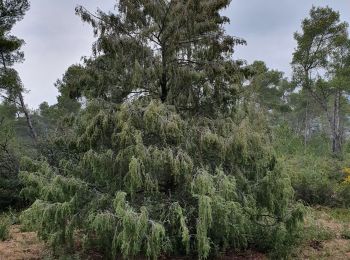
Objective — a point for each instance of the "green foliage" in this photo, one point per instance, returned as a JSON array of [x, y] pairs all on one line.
[[324, 45], [343, 192], [312, 178], [268, 88], [11, 104], [317, 177], [163, 159], [162, 145], [11, 11], [286, 142], [9, 162], [138, 188], [167, 43], [4, 227]]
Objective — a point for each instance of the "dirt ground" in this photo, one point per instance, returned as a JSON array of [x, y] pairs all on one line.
[[21, 246], [334, 248]]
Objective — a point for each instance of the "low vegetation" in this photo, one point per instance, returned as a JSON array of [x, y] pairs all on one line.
[[4, 227]]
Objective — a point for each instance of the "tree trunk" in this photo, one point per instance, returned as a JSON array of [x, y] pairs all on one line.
[[336, 135], [334, 120], [28, 118], [164, 78], [306, 123]]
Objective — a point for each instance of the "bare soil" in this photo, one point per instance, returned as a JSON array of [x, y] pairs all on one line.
[[332, 249], [21, 246]]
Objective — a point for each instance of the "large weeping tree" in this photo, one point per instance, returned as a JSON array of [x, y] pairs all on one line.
[[162, 160]]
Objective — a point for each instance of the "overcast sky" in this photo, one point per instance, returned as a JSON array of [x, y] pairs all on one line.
[[56, 38]]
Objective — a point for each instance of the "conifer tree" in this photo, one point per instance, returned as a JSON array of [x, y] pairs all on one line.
[[174, 50], [268, 88], [323, 45], [11, 87], [181, 169]]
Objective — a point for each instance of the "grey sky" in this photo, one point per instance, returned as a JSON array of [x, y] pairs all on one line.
[[56, 38]]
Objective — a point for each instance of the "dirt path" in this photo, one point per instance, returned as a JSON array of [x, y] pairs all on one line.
[[21, 246]]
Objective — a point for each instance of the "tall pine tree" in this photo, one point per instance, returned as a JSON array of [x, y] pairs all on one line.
[[322, 50], [11, 87]]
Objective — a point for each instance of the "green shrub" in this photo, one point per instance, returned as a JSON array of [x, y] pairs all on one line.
[[285, 141], [317, 233], [147, 181], [9, 191], [315, 179], [343, 192], [4, 227], [319, 180]]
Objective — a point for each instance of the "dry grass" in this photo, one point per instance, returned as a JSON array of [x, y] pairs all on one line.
[[333, 247], [21, 246]]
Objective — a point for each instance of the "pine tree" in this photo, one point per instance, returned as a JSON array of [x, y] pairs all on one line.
[[323, 45], [268, 88], [11, 87], [181, 168], [174, 50]]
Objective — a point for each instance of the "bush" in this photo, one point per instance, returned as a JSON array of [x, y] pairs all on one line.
[[9, 191], [319, 180], [4, 227], [145, 180], [315, 179], [343, 192]]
